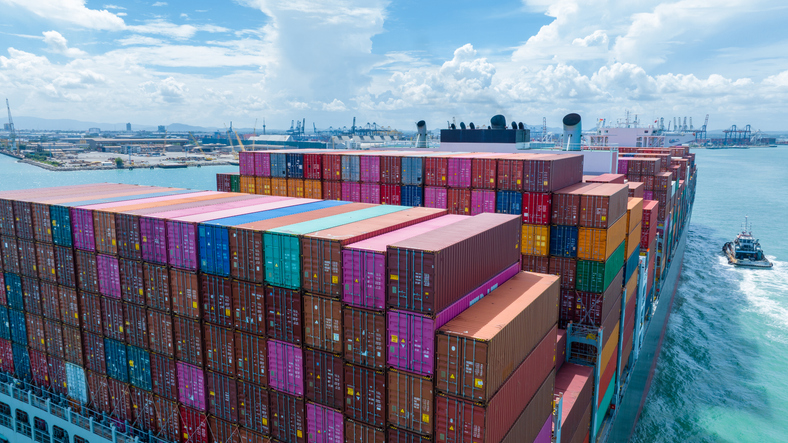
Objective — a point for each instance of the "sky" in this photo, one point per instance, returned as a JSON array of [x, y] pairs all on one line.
[[209, 62]]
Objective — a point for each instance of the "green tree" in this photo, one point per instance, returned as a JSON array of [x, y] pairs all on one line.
[[119, 162]]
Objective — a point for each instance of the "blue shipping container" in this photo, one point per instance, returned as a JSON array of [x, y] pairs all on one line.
[[214, 250], [16, 320], [295, 165], [61, 225], [21, 361], [117, 364], [76, 382], [509, 202], [13, 290], [563, 241], [5, 327], [351, 168], [412, 196], [413, 171], [139, 368], [278, 165], [631, 265]]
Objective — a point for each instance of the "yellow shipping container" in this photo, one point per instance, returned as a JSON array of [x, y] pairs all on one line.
[[634, 213], [295, 187], [262, 185], [536, 240], [313, 189], [598, 244], [247, 184], [631, 287], [610, 347], [279, 187], [635, 236]]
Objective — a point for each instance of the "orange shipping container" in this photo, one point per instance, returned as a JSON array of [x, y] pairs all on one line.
[[611, 346], [598, 244], [262, 185], [635, 237], [536, 240], [313, 189], [295, 187], [634, 213], [631, 286], [279, 187], [247, 184]]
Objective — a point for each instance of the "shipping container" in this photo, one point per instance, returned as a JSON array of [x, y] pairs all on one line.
[[185, 290], [35, 332], [365, 337], [322, 323], [132, 281], [94, 354], [28, 265], [560, 349], [42, 225], [324, 425], [549, 172], [494, 240], [120, 402], [14, 294], [157, 287], [365, 395], [509, 202], [194, 426], [54, 337], [313, 166], [602, 206], [436, 197], [39, 367], [76, 385], [591, 308], [397, 435], [5, 326], [10, 254], [278, 164], [536, 240], [358, 432], [153, 240], [219, 349], [82, 229], [66, 267], [413, 170], [6, 356], [129, 236], [58, 377], [563, 241], [458, 201], [411, 342], [412, 196], [351, 191], [188, 340], [105, 232], [510, 172], [492, 342], [283, 314], [253, 407], [594, 276], [262, 163], [537, 208], [410, 402], [389, 194], [575, 385], [391, 169], [247, 183], [262, 186], [139, 367], [527, 426], [313, 189], [98, 392], [246, 255], [191, 385], [459, 172], [566, 203], [251, 353], [16, 319], [116, 358], [112, 318], [286, 367], [21, 362], [351, 168], [370, 168], [295, 187], [436, 170], [47, 267], [3, 298], [279, 187], [222, 396], [482, 200], [323, 378], [566, 269], [288, 418], [164, 378], [332, 167], [31, 291]]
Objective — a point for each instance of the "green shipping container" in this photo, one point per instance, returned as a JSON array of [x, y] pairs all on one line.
[[235, 183], [594, 276], [602, 411], [283, 245]]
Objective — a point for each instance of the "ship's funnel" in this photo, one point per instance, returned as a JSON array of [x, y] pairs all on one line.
[[498, 122], [572, 131], [421, 134]]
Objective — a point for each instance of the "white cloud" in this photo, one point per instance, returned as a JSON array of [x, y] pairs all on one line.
[[121, 14], [72, 11], [139, 40], [184, 15], [335, 106], [168, 29], [165, 91], [114, 7], [58, 44], [157, 4]]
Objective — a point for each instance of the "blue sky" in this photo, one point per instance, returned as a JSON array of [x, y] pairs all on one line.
[[394, 62]]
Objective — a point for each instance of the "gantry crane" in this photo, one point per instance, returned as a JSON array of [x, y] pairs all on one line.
[[11, 129]]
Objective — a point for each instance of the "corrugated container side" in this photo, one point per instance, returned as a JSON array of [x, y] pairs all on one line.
[[214, 249], [129, 236], [120, 400], [351, 168], [98, 392], [289, 418], [534, 263], [251, 353], [600, 244], [537, 208], [509, 202], [324, 425], [459, 170], [35, 332], [482, 200], [370, 168], [28, 264], [365, 395], [95, 357], [351, 191], [283, 314], [59, 378], [412, 195], [594, 276], [164, 376], [411, 341], [458, 201], [390, 194], [39, 367], [157, 287], [21, 362], [436, 197], [217, 300], [332, 167], [136, 325], [566, 268], [167, 418], [603, 206], [13, 286], [10, 253], [246, 255], [575, 384], [313, 166], [18, 326], [31, 291], [185, 287], [183, 245], [89, 305], [332, 190], [295, 187], [139, 367], [253, 407], [365, 337], [323, 323], [222, 396], [555, 172], [76, 385], [42, 225], [536, 240], [484, 172], [413, 171], [286, 367], [247, 436], [6, 356], [47, 268], [262, 164], [323, 378], [23, 219], [436, 171], [397, 435], [5, 326], [3, 298], [143, 410], [188, 340], [54, 338], [191, 385], [249, 303], [262, 186], [153, 240], [109, 276], [563, 241], [313, 189], [7, 225], [278, 164], [61, 226], [391, 169], [82, 229], [117, 363], [106, 240], [219, 349], [132, 281], [112, 318], [410, 402], [295, 165], [357, 432], [87, 271], [527, 427], [279, 187], [194, 426]]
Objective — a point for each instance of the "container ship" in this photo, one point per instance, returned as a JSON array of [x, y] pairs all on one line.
[[346, 296]]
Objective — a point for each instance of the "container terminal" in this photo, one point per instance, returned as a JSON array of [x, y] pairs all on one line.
[[472, 292]]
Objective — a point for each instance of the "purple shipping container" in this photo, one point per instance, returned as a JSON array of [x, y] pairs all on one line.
[[82, 229], [324, 425], [482, 200], [545, 435], [109, 275], [623, 166], [246, 163], [411, 336], [459, 172], [351, 192], [154, 240], [183, 243], [370, 168], [648, 195], [370, 193], [191, 385], [436, 197], [286, 367], [262, 164], [364, 263]]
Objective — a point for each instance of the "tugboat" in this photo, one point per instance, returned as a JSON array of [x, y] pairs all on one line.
[[746, 250]]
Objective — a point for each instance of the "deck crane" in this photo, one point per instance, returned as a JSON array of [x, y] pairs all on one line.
[[14, 141]]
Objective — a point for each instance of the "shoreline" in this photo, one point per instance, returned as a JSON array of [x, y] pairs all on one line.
[[104, 168]]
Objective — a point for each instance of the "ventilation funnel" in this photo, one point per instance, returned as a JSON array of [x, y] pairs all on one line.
[[572, 132]]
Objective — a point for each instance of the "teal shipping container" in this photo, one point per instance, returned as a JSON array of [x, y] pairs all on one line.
[[139, 367], [594, 276], [117, 364]]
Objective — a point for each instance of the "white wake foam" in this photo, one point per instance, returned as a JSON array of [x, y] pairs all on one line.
[[766, 291]]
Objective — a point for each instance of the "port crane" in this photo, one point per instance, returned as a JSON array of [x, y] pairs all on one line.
[[11, 129]]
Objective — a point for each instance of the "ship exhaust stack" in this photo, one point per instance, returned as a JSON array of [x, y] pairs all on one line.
[[421, 134], [572, 131], [498, 122]]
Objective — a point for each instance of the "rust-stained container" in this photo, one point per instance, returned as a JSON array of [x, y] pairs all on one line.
[[599, 244], [72, 345], [365, 337], [251, 353], [28, 265], [47, 268], [548, 172], [164, 377], [143, 409], [533, 380], [42, 225], [129, 236], [472, 251], [575, 383], [566, 269], [69, 306], [185, 289], [136, 325], [288, 418], [188, 340], [217, 300], [358, 432], [565, 206], [66, 268], [365, 395], [160, 332], [157, 287], [253, 407], [323, 378], [98, 391], [536, 240], [323, 323], [167, 418], [112, 318], [247, 261], [249, 303], [602, 206], [54, 338], [494, 341], [10, 254], [284, 314], [87, 271], [222, 396], [35, 332], [95, 359], [458, 201], [31, 291], [410, 402], [219, 349], [132, 281], [538, 264], [105, 231]]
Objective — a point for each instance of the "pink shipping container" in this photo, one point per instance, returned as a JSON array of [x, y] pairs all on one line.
[[460, 172], [545, 434], [246, 163], [324, 425], [6, 356], [622, 166], [351, 192], [370, 192], [183, 244], [364, 263], [286, 367], [154, 240], [436, 197], [262, 164], [370, 168], [82, 229], [109, 275], [39, 366], [482, 200], [191, 386]]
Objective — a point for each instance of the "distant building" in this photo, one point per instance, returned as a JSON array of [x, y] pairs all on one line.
[[162, 128], [128, 127], [6, 127], [94, 131]]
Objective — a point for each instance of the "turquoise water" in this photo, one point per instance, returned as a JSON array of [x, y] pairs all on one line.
[[723, 372]]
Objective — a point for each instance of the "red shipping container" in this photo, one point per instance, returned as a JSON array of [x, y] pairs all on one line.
[[90, 306], [132, 281], [391, 169], [129, 236], [566, 268], [288, 421], [50, 300], [3, 300], [246, 255], [66, 267], [157, 287], [332, 190], [332, 167], [168, 420], [112, 318], [164, 376], [251, 352], [313, 166], [10, 254], [565, 205], [535, 263], [636, 189], [370, 193], [87, 271], [95, 360], [357, 432], [510, 174], [222, 431], [222, 396], [135, 319], [323, 323], [283, 314], [69, 306], [72, 345], [602, 206], [390, 194], [188, 340], [323, 374], [410, 402], [185, 288], [24, 219], [98, 391], [54, 337], [483, 173], [365, 395], [34, 325], [549, 172], [119, 399], [365, 337], [247, 436], [39, 367], [28, 264], [160, 332], [47, 268], [436, 171], [249, 302], [58, 380], [482, 200], [459, 201], [31, 291], [253, 406], [224, 182], [143, 409], [537, 208], [217, 300], [42, 225], [6, 356], [219, 349], [194, 426]]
